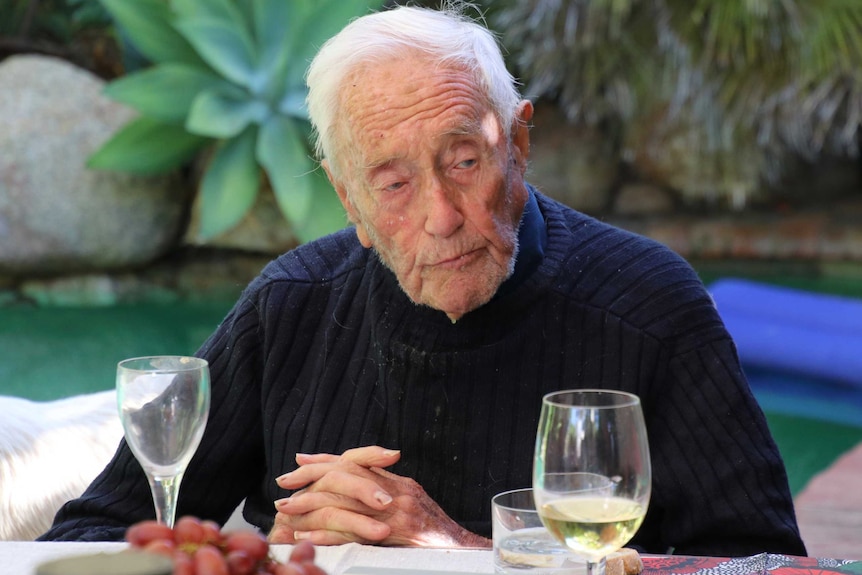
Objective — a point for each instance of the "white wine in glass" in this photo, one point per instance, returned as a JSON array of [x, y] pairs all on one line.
[[164, 404], [591, 472]]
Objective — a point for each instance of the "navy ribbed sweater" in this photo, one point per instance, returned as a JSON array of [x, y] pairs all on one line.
[[324, 352]]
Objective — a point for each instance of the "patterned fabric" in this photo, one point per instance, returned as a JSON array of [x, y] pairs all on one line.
[[761, 564]]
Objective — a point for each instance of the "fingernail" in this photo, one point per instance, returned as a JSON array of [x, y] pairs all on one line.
[[283, 477], [389, 452], [383, 497], [300, 535], [282, 502]]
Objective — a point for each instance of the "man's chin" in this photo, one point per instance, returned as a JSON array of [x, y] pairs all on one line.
[[458, 294], [455, 309]]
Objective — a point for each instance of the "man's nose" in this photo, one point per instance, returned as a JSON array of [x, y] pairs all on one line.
[[443, 210]]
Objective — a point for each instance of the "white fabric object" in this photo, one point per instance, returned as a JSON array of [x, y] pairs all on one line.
[[49, 453]]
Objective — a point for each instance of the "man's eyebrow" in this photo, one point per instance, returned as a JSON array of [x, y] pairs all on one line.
[[467, 127], [371, 166]]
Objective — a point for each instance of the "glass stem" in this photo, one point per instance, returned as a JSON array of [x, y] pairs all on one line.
[[165, 491], [596, 567]]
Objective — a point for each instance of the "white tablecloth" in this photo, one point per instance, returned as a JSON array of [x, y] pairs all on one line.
[[21, 558]]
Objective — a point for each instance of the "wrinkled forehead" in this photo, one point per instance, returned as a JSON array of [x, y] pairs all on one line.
[[412, 96]]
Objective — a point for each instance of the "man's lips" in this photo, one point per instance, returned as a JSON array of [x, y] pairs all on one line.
[[457, 262]]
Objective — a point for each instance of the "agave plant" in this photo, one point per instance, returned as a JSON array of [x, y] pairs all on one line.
[[228, 78]]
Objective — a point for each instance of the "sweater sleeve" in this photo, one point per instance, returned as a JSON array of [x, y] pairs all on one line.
[[719, 483], [227, 465], [720, 487]]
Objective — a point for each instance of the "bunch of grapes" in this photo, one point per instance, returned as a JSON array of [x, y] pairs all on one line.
[[200, 548]]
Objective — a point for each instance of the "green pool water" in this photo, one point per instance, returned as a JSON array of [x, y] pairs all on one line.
[[47, 353]]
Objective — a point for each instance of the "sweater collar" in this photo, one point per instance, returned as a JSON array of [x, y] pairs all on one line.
[[532, 240]]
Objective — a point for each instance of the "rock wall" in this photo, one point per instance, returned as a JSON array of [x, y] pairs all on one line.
[[56, 215]]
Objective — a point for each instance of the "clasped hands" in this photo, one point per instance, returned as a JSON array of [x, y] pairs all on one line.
[[351, 498]]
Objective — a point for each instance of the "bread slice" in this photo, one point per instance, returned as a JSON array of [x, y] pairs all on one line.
[[624, 562]]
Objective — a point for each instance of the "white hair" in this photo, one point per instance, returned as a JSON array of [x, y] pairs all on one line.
[[445, 35]]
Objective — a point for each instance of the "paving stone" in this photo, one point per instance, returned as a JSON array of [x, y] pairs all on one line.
[[829, 509]]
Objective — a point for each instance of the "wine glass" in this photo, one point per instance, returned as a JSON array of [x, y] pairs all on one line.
[[591, 472], [164, 404]]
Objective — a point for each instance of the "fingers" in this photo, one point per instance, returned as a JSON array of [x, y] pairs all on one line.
[[307, 501], [335, 498], [327, 526], [311, 466], [372, 456], [369, 456], [326, 518], [345, 479], [306, 458], [280, 533]]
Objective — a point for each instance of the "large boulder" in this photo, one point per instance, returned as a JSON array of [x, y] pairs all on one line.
[[573, 163], [56, 215]]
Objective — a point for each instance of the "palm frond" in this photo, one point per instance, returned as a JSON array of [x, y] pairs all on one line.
[[820, 107], [591, 56]]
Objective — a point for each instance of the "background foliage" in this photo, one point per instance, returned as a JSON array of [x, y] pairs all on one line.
[[784, 76], [228, 77], [750, 84], [79, 31]]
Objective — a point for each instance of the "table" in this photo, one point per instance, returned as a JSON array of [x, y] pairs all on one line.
[[21, 558]]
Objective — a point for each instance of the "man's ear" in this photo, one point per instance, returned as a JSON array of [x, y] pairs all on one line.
[[521, 133], [352, 212]]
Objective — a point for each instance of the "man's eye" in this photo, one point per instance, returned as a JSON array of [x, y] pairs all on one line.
[[467, 163], [394, 187]]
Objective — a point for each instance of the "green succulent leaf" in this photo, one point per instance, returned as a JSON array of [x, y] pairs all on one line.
[[230, 185], [275, 22], [293, 103], [326, 215], [224, 45], [148, 25], [164, 92], [328, 19], [222, 114], [283, 153], [219, 10], [147, 146]]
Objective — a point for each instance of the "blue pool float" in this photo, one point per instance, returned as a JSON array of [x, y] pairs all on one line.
[[793, 342]]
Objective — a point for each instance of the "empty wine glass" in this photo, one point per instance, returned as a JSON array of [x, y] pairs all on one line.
[[164, 404], [591, 472]]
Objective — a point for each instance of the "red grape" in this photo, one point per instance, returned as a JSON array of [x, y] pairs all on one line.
[[139, 534], [212, 531], [302, 552], [200, 548], [289, 569], [252, 543], [209, 561], [240, 562], [183, 564], [189, 529], [165, 547]]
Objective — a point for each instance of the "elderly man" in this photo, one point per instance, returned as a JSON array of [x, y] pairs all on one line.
[[380, 385]]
